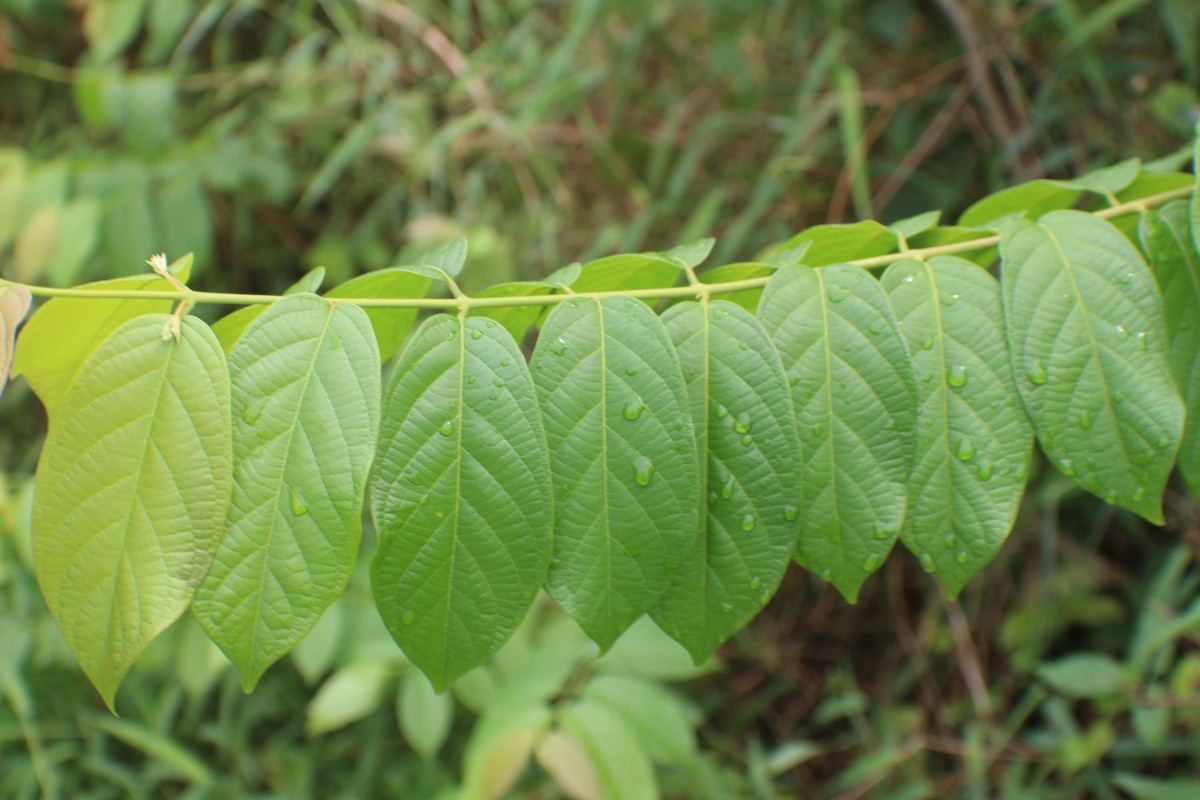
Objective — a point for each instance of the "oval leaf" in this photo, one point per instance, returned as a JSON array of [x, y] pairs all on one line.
[[1165, 237], [623, 455], [392, 325], [750, 471], [620, 759], [230, 327], [1085, 327], [854, 399], [460, 496], [425, 715], [14, 305], [973, 438], [132, 489], [305, 383]]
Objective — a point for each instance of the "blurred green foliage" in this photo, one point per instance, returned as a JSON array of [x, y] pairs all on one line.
[[273, 137]]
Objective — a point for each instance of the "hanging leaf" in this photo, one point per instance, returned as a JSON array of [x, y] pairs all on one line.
[[230, 327], [132, 489], [749, 475], [1166, 240], [1085, 328], [623, 456], [460, 496], [973, 438], [14, 305], [305, 384], [58, 339], [855, 403]]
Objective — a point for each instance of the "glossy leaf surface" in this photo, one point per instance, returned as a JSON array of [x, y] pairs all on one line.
[[855, 405], [749, 473], [623, 455], [133, 485], [1084, 321], [973, 438], [305, 384], [460, 497]]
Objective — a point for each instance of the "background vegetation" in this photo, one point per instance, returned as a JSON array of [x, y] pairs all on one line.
[[271, 137]]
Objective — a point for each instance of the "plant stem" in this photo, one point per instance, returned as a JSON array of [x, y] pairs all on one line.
[[473, 303]]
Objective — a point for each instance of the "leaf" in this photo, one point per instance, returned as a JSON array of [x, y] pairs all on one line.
[[855, 402], [58, 339], [460, 495], [350, 694], [625, 273], [973, 438], [692, 253], [499, 748], [655, 715], [620, 760], [230, 327], [132, 489], [1086, 675], [14, 305], [565, 760], [425, 715], [1196, 192], [1087, 341], [449, 257], [623, 456], [518, 319], [1165, 238], [749, 475], [833, 244], [305, 386], [729, 273], [949, 234], [1107, 180], [1032, 200], [644, 651], [391, 325], [911, 226], [160, 747], [110, 25], [1143, 788]]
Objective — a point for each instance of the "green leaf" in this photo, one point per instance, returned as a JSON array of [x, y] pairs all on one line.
[[912, 226], [1107, 180], [623, 456], [424, 714], [160, 747], [350, 694], [230, 327], [569, 765], [499, 749], [1196, 192], [855, 402], [950, 234], [625, 273], [1143, 788], [132, 489], [1085, 327], [833, 244], [518, 319], [973, 438], [391, 325], [58, 339], [749, 472], [460, 495], [622, 763], [692, 253], [1165, 238], [110, 25], [14, 305], [1151, 183], [657, 717], [728, 273], [449, 258], [305, 384], [1032, 200], [1086, 675]]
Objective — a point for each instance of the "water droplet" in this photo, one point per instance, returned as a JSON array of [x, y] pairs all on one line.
[[1110, 496], [299, 507], [498, 383], [471, 379], [837, 294], [1122, 331], [909, 278], [1139, 494], [890, 425], [494, 396], [727, 607], [254, 411], [1141, 341], [1068, 298], [1161, 442], [1036, 372], [721, 411], [741, 423], [631, 372], [826, 575], [795, 381], [872, 562], [409, 618], [764, 598], [755, 582], [727, 487], [678, 425], [965, 450], [948, 299], [985, 470], [453, 332], [928, 342], [790, 513], [446, 428], [748, 522], [476, 335], [874, 330], [505, 363], [927, 562], [815, 431], [1084, 419], [948, 541], [957, 376], [747, 440], [720, 313], [884, 533], [1125, 278], [414, 479], [961, 557], [643, 471], [1067, 467], [633, 409], [1118, 398]]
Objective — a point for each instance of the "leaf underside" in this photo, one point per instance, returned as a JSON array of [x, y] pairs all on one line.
[[14, 305], [132, 489]]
